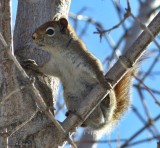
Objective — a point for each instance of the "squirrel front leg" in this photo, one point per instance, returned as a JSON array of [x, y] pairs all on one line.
[[48, 68]]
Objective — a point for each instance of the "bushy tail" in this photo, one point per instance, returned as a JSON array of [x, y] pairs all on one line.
[[122, 92]]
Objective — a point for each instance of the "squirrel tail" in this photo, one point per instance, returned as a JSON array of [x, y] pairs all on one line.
[[122, 96], [122, 92], [123, 89]]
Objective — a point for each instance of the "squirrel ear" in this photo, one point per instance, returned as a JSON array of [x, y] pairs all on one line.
[[63, 22]]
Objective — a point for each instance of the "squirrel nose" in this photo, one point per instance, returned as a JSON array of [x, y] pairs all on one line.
[[34, 36]]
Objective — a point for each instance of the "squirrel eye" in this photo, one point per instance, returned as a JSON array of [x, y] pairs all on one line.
[[50, 31]]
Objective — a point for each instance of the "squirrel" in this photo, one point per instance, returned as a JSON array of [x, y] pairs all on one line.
[[79, 71]]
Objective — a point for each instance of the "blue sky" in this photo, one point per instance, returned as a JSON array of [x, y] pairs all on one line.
[[103, 11]]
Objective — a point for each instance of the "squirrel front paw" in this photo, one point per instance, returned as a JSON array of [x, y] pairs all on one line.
[[31, 65]]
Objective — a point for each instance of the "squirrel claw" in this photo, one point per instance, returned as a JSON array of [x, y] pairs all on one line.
[[31, 64]]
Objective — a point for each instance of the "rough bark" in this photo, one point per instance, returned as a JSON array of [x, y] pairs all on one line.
[[6, 69], [21, 108]]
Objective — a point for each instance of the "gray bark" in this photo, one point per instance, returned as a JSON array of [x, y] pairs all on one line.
[[6, 67], [20, 109]]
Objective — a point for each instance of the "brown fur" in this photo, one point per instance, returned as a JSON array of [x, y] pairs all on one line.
[[122, 92], [79, 71]]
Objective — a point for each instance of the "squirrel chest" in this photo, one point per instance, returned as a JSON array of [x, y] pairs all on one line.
[[70, 67]]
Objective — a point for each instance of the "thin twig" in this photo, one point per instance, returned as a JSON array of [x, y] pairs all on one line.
[[150, 92], [126, 15], [142, 119], [138, 132], [143, 140], [119, 12], [144, 104], [147, 110], [152, 66], [153, 90]]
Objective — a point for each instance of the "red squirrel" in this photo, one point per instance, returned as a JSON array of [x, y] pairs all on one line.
[[79, 71]]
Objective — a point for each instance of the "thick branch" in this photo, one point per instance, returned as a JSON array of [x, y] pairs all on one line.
[[19, 108], [30, 15], [115, 74], [5, 76]]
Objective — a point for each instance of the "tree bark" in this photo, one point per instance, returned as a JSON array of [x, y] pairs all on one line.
[[6, 74], [20, 117]]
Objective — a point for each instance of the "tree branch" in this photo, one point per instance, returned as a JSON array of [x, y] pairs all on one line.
[[115, 74], [5, 28], [25, 24]]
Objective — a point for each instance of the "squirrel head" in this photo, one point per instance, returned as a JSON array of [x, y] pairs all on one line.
[[52, 33]]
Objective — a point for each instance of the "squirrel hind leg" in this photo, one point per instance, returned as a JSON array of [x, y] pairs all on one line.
[[102, 116], [108, 106]]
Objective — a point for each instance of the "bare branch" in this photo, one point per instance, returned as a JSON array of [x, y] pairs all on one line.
[[155, 99], [126, 15], [139, 131]]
